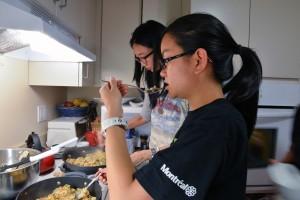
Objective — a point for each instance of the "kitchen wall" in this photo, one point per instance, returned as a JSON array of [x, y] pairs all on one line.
[[18, 103]]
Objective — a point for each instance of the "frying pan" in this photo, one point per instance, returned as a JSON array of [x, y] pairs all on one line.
[[76, 152], [45, 187]]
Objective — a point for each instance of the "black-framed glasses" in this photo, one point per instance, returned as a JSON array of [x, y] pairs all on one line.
[[139, 59], [165, 61]]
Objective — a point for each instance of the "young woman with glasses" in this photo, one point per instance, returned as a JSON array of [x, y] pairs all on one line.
[[207, 159], [145, 46], [166, 115]]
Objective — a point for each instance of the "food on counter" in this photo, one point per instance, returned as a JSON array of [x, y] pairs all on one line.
[[76, 103], [23, 154], [58, 173], [84, 104], [89, 160], [66, 192], [68, 104]]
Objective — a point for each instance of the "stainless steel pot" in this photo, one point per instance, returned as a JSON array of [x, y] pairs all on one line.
[[14, 180]]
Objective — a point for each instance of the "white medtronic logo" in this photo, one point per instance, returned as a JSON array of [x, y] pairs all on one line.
[[189, 190]]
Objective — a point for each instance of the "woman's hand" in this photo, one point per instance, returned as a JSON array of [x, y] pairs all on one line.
[[122, 87], [140, 156], [111, 94], [101, 174]]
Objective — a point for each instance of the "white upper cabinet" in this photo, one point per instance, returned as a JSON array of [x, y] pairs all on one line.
[[274, 35], [80, 17], [119, 19], [233, 13], [77, 15], [60, 74], [163, 11]]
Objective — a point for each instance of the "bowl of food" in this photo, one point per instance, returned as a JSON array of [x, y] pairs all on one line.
[[61, 188], [84, 159]]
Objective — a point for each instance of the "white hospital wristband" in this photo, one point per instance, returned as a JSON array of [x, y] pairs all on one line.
[[115, 121]]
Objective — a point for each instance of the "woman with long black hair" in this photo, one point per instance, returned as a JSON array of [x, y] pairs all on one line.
[[166, 114], [208, 157], [145, 42]]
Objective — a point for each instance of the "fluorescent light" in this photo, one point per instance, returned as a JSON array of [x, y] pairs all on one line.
[[42, 46]]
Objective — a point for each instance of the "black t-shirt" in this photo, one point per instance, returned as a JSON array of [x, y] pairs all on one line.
[[206, 161]]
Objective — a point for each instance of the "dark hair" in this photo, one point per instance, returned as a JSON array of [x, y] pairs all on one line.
[[205, 31], [148, 34]]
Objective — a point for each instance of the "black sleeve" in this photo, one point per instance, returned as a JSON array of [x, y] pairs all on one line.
[[186, 169]]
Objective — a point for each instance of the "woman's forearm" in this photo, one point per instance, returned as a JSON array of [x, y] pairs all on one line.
[[119, 166], [120, 169], [136, 121]]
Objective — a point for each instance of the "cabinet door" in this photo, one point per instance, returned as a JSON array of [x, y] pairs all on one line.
[[274, 34], [119, 20], [163, 11], [233, 13], [59, 74], [80, 17], [77, 15], [88, 24], [49, 5]]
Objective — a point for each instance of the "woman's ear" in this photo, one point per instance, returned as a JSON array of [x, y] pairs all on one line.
[[201, 59]]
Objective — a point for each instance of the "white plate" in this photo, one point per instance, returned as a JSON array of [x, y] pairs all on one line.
[[287, 179]]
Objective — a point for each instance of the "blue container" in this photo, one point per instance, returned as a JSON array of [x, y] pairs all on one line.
[[71, 111]]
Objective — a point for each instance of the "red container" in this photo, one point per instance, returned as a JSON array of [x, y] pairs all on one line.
[[92, 138], [47, 164]]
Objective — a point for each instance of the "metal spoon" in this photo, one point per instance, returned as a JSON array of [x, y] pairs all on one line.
[[91, 183], [81, 193], [149, 91]]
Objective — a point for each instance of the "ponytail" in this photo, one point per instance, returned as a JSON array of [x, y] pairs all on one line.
[[243, 90]]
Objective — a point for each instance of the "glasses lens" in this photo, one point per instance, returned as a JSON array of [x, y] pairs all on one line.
[[143, 59], [149, 54]]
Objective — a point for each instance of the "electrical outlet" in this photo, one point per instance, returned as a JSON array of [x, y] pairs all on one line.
[[42, 113]]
